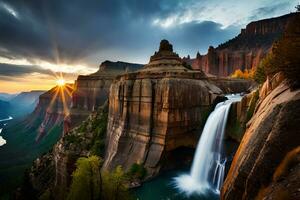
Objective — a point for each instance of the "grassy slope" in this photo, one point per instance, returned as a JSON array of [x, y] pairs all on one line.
[[20, 151]]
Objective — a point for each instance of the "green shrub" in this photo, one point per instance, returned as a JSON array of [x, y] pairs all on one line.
[[86, 181], [260, 74], [82, 127], [114, 185], [99, 126], [137, 171]]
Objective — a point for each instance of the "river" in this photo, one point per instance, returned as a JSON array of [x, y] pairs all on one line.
[[3, 123]]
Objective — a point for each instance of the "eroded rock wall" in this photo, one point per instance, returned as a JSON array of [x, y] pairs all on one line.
[[148, 117], [91, 91], [271, 134], [245, 51]]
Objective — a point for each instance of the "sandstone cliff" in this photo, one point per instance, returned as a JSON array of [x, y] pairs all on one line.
[[51, 109], [156, 110], [92, 90], [244, 51], [266, 165]]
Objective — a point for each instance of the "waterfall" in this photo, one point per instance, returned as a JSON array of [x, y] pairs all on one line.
[[208, 168]]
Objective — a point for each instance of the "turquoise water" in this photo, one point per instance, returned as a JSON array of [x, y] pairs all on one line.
[[162, 188]]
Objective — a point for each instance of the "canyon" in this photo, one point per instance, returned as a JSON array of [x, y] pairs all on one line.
[[245, 51], [153, 116]]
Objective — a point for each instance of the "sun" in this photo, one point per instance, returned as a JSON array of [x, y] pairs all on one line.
[[60, 82]]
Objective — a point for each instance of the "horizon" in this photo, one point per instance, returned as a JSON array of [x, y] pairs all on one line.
[[42, 41]]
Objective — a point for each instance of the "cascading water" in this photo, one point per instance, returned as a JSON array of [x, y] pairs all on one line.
[[208, 168]]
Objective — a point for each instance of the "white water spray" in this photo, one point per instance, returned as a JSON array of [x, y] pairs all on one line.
[[208, 168]]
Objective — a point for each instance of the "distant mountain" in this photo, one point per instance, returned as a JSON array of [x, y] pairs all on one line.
[[6, 96], [24, 103], [4, 109]]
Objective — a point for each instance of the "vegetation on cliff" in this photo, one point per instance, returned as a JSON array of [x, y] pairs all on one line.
[[284, 56], [90, 183], [246, 74], [82, 147], [21, 150]]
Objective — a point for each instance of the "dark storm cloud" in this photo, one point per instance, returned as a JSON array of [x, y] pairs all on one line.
[[11, 72], [94, 30], [21, 70], [72, 30], [199, 36]]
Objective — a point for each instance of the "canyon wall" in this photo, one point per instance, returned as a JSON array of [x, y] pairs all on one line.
[[245, 51], [92, 90], [266, 164], [51, 109]]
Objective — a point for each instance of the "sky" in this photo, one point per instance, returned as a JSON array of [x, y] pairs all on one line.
[[39, 39]]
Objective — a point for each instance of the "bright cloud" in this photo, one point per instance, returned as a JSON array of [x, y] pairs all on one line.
[[10, 10], [61, 67], [225, 13]]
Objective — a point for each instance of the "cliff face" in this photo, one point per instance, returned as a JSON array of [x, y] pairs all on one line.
[[156, 110], [266, 164], [51, 109], [52, 171], [244, 51], [92, 90]]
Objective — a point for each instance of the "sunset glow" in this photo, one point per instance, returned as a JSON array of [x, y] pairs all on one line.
[[61, 82]]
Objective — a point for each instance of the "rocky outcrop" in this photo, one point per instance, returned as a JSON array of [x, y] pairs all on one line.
[[156, 110], [92, 90], [285, 182], [244, 51], [267, 158]]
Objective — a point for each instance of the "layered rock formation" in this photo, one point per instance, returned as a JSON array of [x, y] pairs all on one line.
[[244, 51], [266, 165], [92, 90], [156, 110], [51, 109]]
